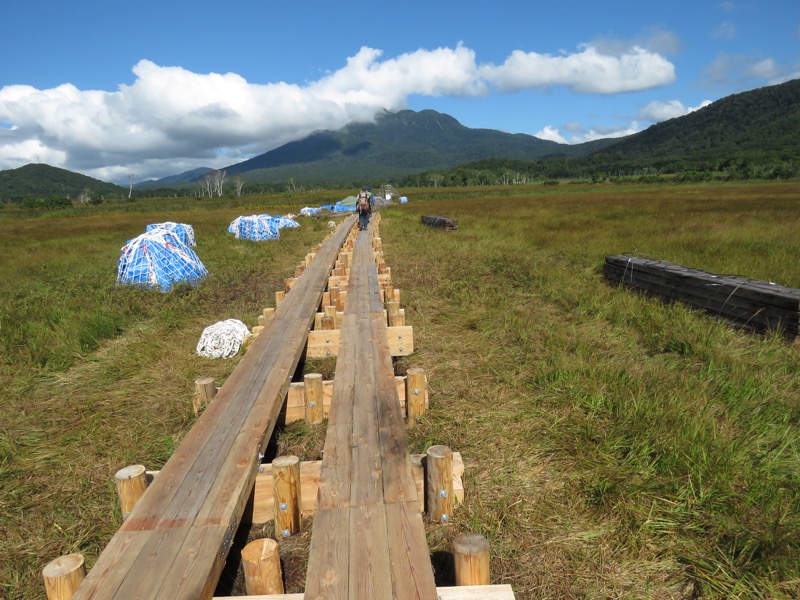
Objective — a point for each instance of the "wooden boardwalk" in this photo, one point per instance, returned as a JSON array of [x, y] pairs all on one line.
[[175, 541], [368, 541]]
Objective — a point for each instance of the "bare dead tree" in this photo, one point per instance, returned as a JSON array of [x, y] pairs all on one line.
[[207, 184], [238, 183], [218, 180], [131, 177]]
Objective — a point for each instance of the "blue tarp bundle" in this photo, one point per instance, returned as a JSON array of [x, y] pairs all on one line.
[[158, 258], [254, 227], [282, 222], [184, 232]]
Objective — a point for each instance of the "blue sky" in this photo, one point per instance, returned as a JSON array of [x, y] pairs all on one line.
[[118, 89]]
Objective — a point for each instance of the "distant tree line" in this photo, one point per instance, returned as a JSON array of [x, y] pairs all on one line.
[[599, 170]]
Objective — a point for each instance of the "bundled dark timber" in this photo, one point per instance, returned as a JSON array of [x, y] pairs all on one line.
[[747, 303], [446, 223]]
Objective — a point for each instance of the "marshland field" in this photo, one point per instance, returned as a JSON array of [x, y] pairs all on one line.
[[616, 446]]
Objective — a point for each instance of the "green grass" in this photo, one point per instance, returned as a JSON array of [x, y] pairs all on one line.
[[647, 450], [615, 446]]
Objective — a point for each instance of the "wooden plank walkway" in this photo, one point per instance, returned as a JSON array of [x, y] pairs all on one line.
[[174, 543], [368, 541]]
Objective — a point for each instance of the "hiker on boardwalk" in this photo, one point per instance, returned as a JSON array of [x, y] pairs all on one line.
[[364, 208]]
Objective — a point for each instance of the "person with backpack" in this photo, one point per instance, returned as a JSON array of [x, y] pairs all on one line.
[[363, 208]]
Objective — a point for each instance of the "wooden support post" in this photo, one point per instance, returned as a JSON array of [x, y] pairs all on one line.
[[258, 329], [329, 320], [131, 484], [312, 391], [471, 557], [392, 309], [416, 392], [205, 388], [63, 575], [334, 296], [279, 295], [396, 295], [342, 300], [326, 299], [262, 568], [398, 320], [439, 480], [268, 313], [286, 489]]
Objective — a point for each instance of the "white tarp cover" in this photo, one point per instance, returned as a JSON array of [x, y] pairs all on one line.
[[222, 339]]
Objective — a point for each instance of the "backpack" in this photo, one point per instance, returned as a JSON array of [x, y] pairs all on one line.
[[363, 202]]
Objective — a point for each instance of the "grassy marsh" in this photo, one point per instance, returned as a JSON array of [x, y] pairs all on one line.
[[615, 446]]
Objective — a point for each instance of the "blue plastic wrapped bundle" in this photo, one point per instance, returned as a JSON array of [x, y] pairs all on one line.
[[184, 232], [158, 258], [309, 210], [254, 228], [282, 222]]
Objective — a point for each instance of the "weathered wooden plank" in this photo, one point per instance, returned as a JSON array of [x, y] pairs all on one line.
[[175, 540], [740, 311], [389, 558], [325, 343], [412, 573], [466, 592], [733, 298], [370, 552], [759, 291], [712, 295], [446, 223], [328, 575]]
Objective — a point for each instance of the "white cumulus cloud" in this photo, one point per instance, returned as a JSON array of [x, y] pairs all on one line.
[[655, 112], [588, 71], [171, 119]]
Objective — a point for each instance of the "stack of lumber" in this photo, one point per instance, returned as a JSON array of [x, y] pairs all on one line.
[[747, 303], [446, 223]]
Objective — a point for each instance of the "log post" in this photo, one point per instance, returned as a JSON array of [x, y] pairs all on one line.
[[342, 299], [262, 568], [131, 484], [334, 296], [205, 388], [439, 480], [279, 295], [326, 299], [416, 391], [395, 295], [471, 554], [313, 396], [398, 320], [268, 313], [286, 491], [392, 310], [63, 575]]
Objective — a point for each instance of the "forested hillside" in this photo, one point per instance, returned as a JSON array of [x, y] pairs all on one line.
[[749, 135], [58, 185]]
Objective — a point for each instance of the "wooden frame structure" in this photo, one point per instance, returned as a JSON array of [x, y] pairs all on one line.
[[175, 540]]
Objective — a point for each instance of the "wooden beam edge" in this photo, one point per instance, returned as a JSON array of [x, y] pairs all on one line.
[[467, 592]]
